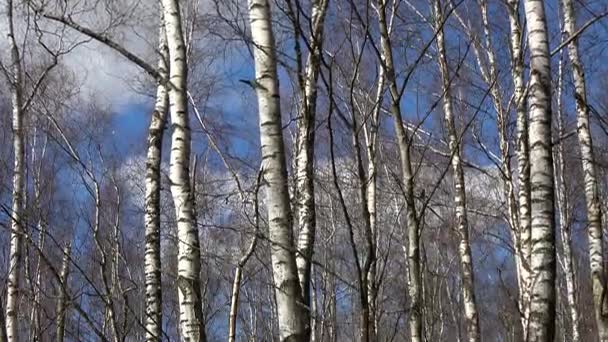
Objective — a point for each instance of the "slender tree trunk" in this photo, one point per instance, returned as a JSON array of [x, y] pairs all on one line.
[[594, 212], [17, 230], [371, 137], [36, 333], [404, 145], [293, 317], [564, 219], [238, 273], [523, 244], [152, 257], [189, 254], [541, 324], [62, 303], [464, 249], [305, 198]]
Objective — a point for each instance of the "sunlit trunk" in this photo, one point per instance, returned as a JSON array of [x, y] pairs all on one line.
[[594, 212], [305, 198], [561, 200], [292, 316], [152, 257], [541, 324], [17, 230], [462, 224], [189, 254]]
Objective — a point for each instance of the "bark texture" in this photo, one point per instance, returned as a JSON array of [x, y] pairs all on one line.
[[189, 254], [541, 323], [292, 316], [523, 244], [152, 258], [594, 212], [18, 194]]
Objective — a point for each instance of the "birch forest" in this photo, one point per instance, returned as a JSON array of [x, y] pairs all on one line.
[[304, 170]]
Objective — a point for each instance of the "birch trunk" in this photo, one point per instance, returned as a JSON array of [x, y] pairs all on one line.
[[404, 144], [152, 258], [519, 217], [523, 245], [292, 316], [564, 219], [62, 303], [371, 137], [594, 212], [305, 199], [541, 323], [464, 248], [189, 263], [17, 229]]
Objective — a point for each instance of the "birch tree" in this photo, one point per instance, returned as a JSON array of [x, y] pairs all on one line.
[[14, 76], [62, 302], [292, 316], [592, 200], [462, 225], [305, 142], [414, 281], [152, 197], [189, 254], [522, 244], [562, 204], [541, 324]]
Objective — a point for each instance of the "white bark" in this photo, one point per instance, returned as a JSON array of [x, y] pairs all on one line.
[[152, 258], [62, 303], [522, 244], [464, 248], [541, 324], [293, 318], [561, 200], [594, 213], [189, 263], [17, 229], [305, 199]]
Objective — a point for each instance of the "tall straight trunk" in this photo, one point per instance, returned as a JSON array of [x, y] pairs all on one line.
[[292, 316], [62, 303], [36, 331], [189, 254], [404, 146], [371, 138], [561, 200], [541, 323], [462, 225], [518, 217], [152, 258], [523, 244], [305, 198], [594, 212], [17, 229]]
